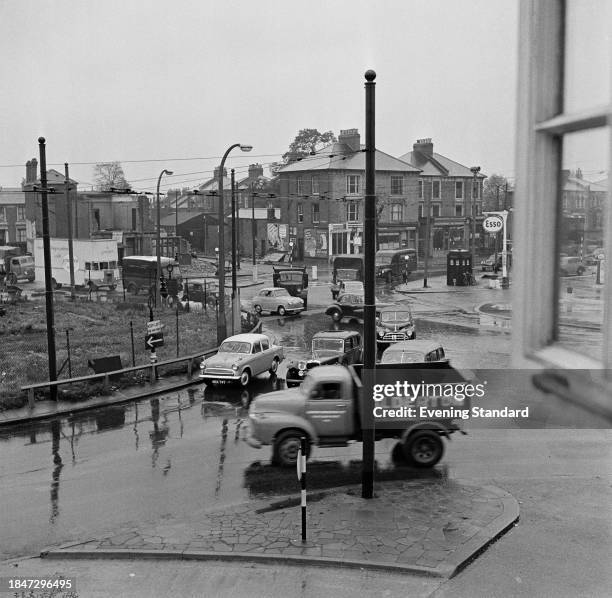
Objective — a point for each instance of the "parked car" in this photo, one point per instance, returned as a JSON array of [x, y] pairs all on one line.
[[241, 357], [395, 263], [278, 301], [571, 266], [394, 324], [328, 347], [425, 351]]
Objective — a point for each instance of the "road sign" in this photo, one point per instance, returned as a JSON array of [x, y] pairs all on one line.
[[154, 340], [154, 327], [492, 224]]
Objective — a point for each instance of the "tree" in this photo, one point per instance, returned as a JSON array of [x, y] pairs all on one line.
[[109, 174], [494, 189], [306, 142]]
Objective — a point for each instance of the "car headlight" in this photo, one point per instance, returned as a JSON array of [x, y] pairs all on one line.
[[203, 365], [380, 332], [235, 367], [302, 365]]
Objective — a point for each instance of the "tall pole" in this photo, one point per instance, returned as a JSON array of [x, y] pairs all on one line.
[[48, 275], [158, 240], [253, 225], [176, 217], [69, 221], [369, 322], [427, 236], [234, 240], [221, 321], [475, 170]]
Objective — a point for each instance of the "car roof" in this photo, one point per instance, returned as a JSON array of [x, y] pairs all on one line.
[[250, 337], [393, 308], [296, 269], [272, 289], [335, 334], [393, 251], [416, 346]]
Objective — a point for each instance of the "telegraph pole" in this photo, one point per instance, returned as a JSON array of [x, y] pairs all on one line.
[[234, 242], [69, 221], [48, 276], [369, 320]]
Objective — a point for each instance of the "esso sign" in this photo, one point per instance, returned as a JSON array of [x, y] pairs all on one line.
[[493, 224]]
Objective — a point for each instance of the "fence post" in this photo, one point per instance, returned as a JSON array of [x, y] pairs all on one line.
[[132, 339], [177, 330], [190, 368], [31, 398], [68, 350]]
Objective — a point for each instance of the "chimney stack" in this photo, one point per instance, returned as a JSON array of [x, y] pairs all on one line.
[[31, 170], [351, 138], [423, 146], [255, 171]]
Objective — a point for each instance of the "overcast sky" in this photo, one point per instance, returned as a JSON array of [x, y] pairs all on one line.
[[150, 80]]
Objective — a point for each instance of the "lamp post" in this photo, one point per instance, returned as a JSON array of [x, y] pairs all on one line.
[[158, 239], [221, 322]]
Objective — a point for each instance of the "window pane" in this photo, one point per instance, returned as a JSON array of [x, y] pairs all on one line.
[[587, 54], [582, 292]]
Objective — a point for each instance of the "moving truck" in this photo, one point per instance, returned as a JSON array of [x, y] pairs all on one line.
[[328, 409], [95, 263]]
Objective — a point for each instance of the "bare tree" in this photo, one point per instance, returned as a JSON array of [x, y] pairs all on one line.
[[495, 189], [109, 174]]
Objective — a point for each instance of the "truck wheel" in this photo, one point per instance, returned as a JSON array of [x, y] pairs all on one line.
[[580, 271], [132, 288], [286, 448], [336, 315], [92, 286], [424, 448], [11, 278]]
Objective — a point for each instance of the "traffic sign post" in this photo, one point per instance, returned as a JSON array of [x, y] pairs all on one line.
[[494, 222], [301, 474]]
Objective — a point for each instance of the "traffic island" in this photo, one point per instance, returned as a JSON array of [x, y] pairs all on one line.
[[428, 527]]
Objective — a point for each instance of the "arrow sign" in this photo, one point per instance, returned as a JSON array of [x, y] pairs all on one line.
[[154, 340]]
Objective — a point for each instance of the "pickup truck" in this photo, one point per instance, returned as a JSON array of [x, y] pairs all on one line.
[[328, 410]]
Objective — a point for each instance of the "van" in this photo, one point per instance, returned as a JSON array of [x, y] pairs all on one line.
[[139, 272], [394, 264]]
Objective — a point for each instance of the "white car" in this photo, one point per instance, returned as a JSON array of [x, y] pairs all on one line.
[[277, 300], [240, 357]]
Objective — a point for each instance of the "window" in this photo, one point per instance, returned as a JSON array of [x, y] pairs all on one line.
[[459, 210], [300, 212], [315, 185], [397, 185], [20, 212], [396, 212], [352, 211], [265, 344], [435, 189], [565, 101], [420, 189], [315, 213], [256, 347], [458, 189], [21, 235], [421, 210], [2, 214], [299, 186], [352, 184], [435, 210]]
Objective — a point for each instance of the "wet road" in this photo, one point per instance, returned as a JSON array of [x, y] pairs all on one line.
[[76, 477]]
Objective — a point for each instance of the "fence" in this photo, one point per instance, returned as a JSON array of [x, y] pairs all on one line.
[[95, 327]]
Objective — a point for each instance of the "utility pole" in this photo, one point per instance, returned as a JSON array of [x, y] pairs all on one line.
[[369, 321], [475, 170], [427, 235], [234, 241], [48, 276], [69, 221]]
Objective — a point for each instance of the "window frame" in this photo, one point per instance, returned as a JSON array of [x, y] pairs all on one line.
[[352, 206], [300, 212], [439, 194], [541, 125], [353, 181], [397, 212], [315, 210], [395, 178], [299, 184], [314, 182], [462, 192]]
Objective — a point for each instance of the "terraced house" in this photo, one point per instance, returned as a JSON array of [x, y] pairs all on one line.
[[323, 207]]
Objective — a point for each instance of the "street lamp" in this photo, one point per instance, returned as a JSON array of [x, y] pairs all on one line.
[[221, 323], [158, 238]]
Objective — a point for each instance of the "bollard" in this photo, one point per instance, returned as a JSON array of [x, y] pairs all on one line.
[[255, 273]]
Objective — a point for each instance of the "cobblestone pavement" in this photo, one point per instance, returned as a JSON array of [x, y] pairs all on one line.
[[424, 526]]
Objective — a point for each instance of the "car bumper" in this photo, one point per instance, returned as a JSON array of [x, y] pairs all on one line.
[[293, 310], [228, 377]]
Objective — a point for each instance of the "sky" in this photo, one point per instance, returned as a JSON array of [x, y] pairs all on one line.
[[171, 85]]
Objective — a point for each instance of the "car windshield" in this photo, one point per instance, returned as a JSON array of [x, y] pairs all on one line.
[[401, 357], [382, 260], [393, 316], [291, 277], [235, 347], [328, 344], [281, 292], [346, 274]]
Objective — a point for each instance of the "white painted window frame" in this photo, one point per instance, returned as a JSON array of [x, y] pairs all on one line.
[[541, 123]]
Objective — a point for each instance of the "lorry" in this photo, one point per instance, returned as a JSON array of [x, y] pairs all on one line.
[[15, 266], [346, 267], [294, 279], [95, 263], [328, 409]]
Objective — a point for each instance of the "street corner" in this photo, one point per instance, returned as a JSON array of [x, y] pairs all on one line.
[[495, 309], [433, 528]]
